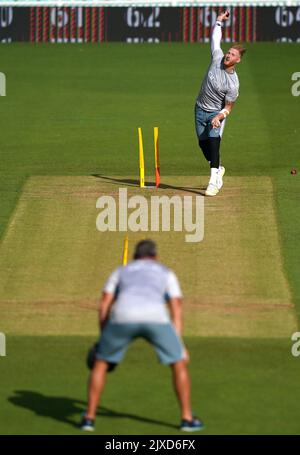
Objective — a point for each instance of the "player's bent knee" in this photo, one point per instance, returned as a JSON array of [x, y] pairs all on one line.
[[102, 365], [179, 365]]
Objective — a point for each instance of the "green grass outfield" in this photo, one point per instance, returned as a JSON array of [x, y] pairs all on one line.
[[239, 386], [70, 116]]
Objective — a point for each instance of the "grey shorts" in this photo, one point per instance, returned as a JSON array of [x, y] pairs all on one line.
[[115, 339], [203, 124]]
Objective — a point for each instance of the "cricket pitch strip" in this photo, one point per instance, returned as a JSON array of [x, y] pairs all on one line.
[[54, 262]]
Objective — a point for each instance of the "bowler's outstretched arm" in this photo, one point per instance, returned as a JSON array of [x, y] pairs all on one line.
[[216, 38]]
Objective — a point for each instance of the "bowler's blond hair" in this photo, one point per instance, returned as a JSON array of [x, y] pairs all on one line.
[[239, 48]]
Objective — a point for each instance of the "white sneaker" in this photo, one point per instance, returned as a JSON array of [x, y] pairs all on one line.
[[211, 190], [220, 177]]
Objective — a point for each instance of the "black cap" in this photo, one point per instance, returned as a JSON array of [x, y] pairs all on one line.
[[145, 249]]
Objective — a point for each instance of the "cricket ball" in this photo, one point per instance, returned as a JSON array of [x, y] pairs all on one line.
[[294, 171]]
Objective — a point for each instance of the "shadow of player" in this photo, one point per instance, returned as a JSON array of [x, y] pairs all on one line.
[[68, 410], [58, 408], [106, 412], [136, 183]]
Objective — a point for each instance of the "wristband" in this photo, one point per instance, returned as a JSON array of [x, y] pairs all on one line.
[[225, 112]]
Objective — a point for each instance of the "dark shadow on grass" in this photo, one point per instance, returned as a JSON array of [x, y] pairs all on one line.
[[68, 410], [58, 408], [106, 412], [136, 183]]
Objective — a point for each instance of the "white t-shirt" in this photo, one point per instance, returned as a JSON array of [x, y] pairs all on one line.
[[142, 288], [218, 87]]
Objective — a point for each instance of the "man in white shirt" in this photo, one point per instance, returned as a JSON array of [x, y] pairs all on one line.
[[134, 305]]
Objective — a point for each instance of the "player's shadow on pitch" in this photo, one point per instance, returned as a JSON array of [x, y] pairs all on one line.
[[136, 183], [106, 412], [68, 410]]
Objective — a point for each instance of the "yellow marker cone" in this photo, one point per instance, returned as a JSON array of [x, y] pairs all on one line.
[[125, 251], [156, 157], [141, 159]]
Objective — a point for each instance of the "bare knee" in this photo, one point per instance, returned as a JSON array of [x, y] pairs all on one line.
[[179, 366], [100, 366]]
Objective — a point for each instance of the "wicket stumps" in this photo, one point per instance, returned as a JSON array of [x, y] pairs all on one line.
[[125, 251], [156, 158], [141, 159]]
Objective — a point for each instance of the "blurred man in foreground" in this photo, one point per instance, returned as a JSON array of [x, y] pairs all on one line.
[[134, 305]]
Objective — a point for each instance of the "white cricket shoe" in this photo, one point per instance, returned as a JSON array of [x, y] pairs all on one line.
[[211, 190], [221, 172]]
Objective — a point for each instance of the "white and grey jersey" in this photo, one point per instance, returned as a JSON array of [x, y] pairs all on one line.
[[142, 288], [219, 86]]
